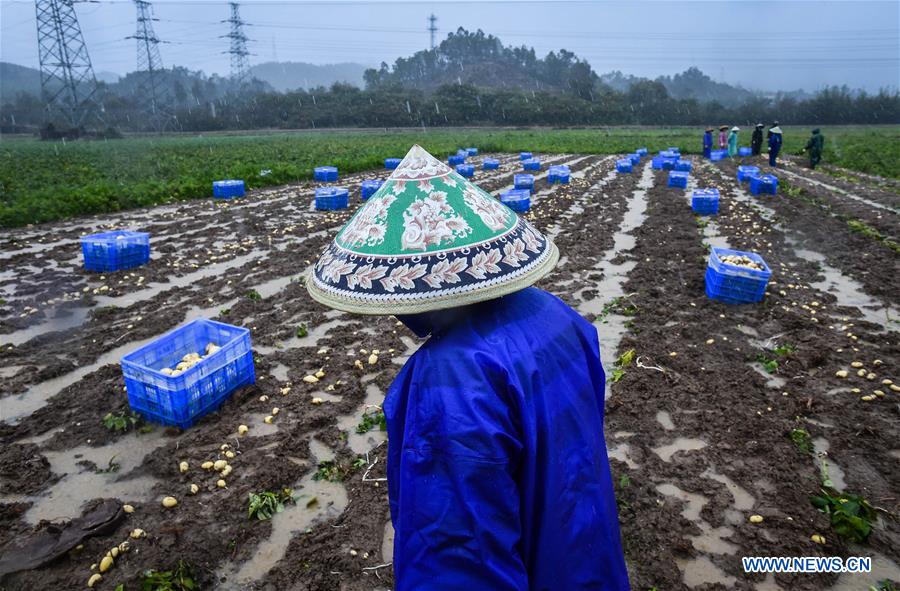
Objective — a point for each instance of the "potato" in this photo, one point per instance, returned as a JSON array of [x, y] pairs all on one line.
[[169, 502], [268, 420], [868, 397], [886, 382], [264, 398], [878, 392], [275, 411], [137, 533], [320, 374], [317, 401], [842, 373], [106, 563], [219, 465], [183, 467], [220, 483], [194, 489], [871, 376], [229, 454], [817, 538], [756, 519], [373, 359], [207, 465], [95, 578], [242, 429], [114, 551], [310, 379], [226, 471], [128, 508], [862, 373], [358, 364], [856, 364], [894, 388], [124, 546]]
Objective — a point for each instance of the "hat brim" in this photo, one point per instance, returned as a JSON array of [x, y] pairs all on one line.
[[507, 285]]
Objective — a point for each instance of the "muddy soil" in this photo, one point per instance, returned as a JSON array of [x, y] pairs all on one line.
[[698, 440], [820, 219], [883, 189], [708, 429]]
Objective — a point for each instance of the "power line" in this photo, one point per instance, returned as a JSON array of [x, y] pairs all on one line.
[[238, 50], [68, 84]]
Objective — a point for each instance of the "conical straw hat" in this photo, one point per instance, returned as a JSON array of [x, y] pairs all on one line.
[[427, 240]]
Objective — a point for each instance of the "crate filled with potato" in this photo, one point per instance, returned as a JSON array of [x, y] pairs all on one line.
[[189, 372]]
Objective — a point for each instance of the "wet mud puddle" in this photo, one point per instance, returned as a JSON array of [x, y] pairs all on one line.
[[610, 325], [316, 500]]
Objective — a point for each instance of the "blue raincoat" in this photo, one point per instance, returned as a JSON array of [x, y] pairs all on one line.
[[707, 144], [498, 475], [774, 144]]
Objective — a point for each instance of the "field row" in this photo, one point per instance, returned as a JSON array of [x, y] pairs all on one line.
[[703, 397]]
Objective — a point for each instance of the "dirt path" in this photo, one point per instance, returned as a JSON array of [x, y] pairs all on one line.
[[699, 439]]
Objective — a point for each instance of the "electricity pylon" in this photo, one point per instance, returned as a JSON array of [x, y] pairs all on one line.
[[432, 28], [68, 83], [150, 89], [239, 63]]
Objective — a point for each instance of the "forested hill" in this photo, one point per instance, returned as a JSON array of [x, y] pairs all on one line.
[[481, 60]]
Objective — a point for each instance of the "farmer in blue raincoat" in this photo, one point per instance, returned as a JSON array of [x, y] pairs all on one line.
[[774, 144], [707, 142], [498, 476]]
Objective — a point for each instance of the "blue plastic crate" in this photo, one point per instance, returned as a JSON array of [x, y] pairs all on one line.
[[705, 201], [517, 199], [525, 156], [369, 188], [624, 165], [392, 163], [532, 164], [523, 181], [745, 173], [462, 153], [683, 165], [490, 164], [228, 188], [745, 151], [717, 155], [678, 179], [763, 184], [675, 150], [179, 401], [466, 170], [325, 174], [657, 162], [668, 154], [735, 284], [331, 198], [472, 151], [635, 159], [116, 250], [669, 163], [456, 159], [558, 174], [641, 152]]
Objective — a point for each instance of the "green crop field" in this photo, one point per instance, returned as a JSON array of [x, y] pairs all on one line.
[[43, 181]]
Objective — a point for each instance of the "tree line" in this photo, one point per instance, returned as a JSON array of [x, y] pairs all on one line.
[[644, 103]]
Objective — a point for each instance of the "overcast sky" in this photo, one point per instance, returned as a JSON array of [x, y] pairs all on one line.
[[765, 45]]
